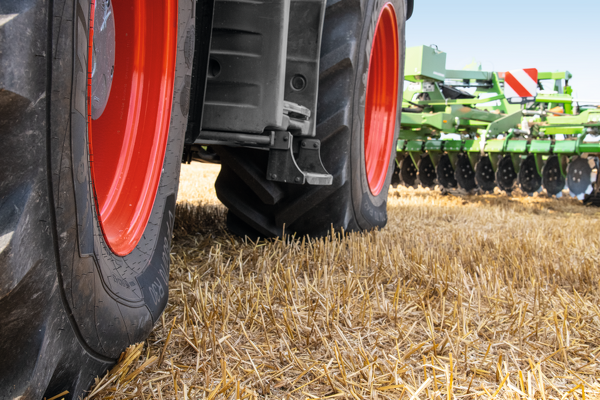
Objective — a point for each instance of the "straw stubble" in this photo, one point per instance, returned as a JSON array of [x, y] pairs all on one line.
[[458, 297]]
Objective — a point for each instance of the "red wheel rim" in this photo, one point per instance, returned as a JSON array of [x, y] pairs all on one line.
[[128, 141], [382, 99]]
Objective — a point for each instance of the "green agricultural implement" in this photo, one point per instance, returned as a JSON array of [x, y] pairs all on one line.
[[476, 130]]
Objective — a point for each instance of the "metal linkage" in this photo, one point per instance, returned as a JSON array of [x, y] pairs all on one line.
[[292, 159], [235, 139]]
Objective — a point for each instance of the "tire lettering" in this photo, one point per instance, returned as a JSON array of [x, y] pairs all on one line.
[[376, 215], [166, 257], [154, 280], [157, 291], [120, 281]]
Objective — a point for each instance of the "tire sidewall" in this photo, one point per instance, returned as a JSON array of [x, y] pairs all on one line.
[[139, 279], [370, 210]]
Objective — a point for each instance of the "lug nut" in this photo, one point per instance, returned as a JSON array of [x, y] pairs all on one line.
[[273, 176], [297, 179]]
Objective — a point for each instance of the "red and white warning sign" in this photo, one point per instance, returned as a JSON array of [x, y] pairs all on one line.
[[521, 85]]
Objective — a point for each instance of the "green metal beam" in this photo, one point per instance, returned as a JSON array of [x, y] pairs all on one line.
[[470, 75], [555, 75]]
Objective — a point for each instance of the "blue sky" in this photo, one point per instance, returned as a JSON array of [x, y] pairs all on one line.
[[548, 35]]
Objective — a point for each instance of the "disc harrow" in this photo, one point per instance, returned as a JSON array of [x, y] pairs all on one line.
[[477, 130]]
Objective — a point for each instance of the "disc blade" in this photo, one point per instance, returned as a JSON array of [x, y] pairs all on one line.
[[552, 178], [408, 171], [426, 173], [529, 179], [505, 174], [593, 197], [445, 173], [593, 161], [464, 174], [484, 174], [579, 177]]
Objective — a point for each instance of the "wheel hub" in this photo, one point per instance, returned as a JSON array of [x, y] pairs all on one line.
[[103, 56]]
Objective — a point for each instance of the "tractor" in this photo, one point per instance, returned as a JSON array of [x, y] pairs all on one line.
[[101, 101]]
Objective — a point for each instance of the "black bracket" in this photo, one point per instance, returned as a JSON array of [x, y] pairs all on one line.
[[309, 157], [306, 168]]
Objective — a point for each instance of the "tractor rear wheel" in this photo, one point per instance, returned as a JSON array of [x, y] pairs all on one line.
[[358, 113], [93, 108]]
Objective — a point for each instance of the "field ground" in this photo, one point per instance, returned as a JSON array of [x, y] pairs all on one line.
[[476, 296]]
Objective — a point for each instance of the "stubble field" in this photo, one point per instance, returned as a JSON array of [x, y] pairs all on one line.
[[458, 297]]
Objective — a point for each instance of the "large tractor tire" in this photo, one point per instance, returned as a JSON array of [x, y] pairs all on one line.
[[92, 121], [358, 115]]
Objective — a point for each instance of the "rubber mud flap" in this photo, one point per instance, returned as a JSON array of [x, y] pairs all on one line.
[[69, 305], [348, 203]]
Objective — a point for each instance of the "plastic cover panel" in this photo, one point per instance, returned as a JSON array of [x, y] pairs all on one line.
[[245, 88]]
